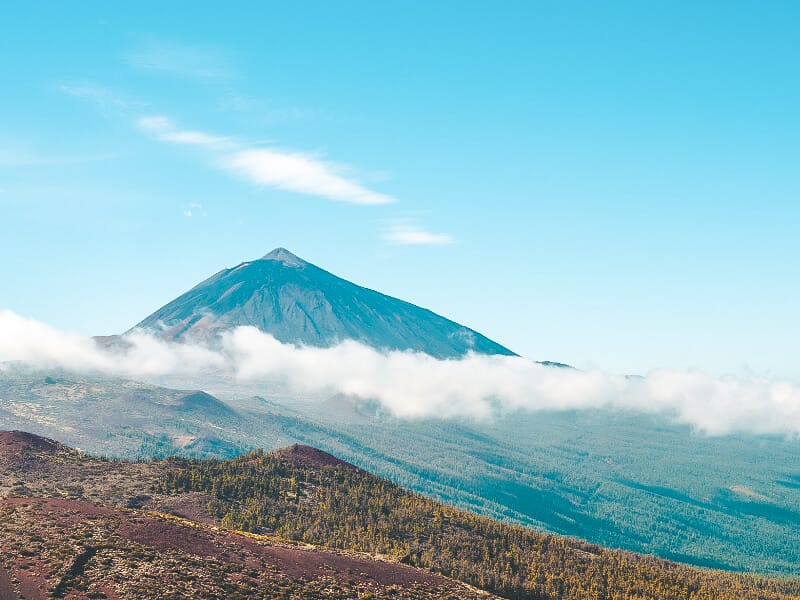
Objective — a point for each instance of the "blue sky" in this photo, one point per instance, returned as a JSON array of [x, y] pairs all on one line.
[[613, 185]]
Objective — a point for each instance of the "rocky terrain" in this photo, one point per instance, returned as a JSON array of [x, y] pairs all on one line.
[[77, 527], [73, 549]]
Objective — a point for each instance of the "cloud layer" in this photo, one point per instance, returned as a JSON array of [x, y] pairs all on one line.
[[413, 385]]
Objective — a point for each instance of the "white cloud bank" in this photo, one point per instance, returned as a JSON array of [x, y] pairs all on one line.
[[412, 385], [33, 342], [269, 167]]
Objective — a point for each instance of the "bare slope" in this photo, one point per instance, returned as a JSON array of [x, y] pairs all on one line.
[[72, 526], [71, 549]]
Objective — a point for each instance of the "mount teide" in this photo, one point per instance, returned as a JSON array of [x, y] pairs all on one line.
[[299, 303]]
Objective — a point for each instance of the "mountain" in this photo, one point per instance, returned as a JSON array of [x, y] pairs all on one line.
[[296, 523], [299, 303]]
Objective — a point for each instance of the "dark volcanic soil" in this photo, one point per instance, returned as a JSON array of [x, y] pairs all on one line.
[[306, 456], [14, 442], [73, 549]]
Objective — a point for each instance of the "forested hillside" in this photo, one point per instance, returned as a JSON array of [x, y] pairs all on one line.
[[297, 495]]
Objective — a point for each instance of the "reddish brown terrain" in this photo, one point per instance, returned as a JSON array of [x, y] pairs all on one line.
[[306, 456], [73, 549], [15, 443], [64, 546], [34, 466]]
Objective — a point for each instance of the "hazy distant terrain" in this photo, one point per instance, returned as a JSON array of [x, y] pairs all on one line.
[[121, 417]]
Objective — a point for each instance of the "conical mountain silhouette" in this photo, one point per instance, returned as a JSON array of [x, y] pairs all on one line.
[[297, 302]]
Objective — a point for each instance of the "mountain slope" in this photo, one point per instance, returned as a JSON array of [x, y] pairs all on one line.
[[299, 303], [371, 538], [71, 527], [56, 548]]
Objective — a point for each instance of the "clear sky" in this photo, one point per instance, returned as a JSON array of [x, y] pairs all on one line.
[[609, 184]]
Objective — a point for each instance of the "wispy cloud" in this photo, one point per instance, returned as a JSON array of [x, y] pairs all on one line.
[[190, 61], [265, 113], [22, 155], [105, 98], [289, 170], [270, 167], [301, 173], [414, 385], [164, 129], [409, 233], [194, 210]]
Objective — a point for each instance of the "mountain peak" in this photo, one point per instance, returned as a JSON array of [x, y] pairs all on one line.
[[298, 303], [284, 256]]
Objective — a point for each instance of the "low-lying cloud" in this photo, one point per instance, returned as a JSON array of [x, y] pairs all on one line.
[[415, 385]]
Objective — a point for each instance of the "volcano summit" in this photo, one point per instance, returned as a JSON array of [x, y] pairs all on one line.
[[300, 303]]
